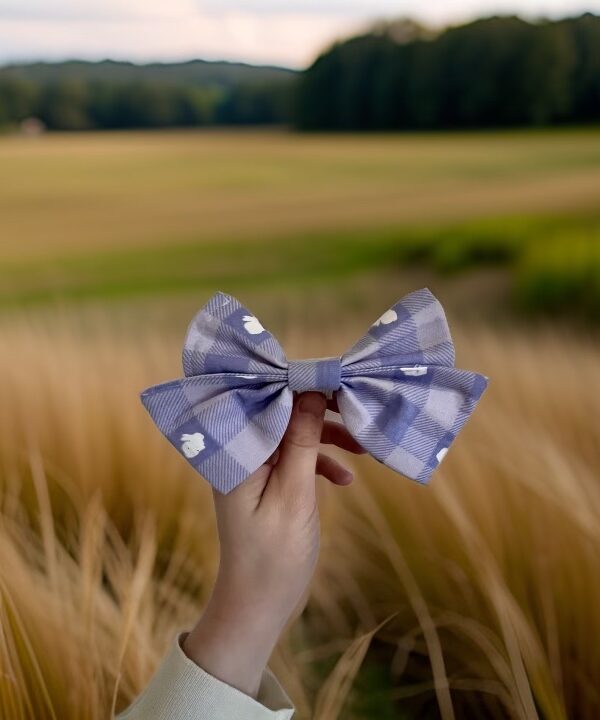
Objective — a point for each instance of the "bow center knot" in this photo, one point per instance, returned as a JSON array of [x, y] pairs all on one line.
[[320, 374]]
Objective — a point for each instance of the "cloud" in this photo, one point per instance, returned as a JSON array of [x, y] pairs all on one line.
[[352, 8], [61, 11], [288, 32], [286, 39]]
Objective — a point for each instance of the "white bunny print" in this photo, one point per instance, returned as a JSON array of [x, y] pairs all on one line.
[[252, 325], [388, 317], [192, 445]]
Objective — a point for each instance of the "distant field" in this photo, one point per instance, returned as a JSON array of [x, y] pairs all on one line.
[[81, 193], [113, 215]]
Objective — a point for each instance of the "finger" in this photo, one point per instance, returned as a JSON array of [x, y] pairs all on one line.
[[335, 433], [333, 470], [295, 469], [246, 497]]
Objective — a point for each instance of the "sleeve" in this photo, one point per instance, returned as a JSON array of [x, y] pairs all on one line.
[[182, 690]]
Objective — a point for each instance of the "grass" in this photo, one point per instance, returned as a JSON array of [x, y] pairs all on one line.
[[143, 214], [561, 277], [553, 264], [76, 194], [476, 596]]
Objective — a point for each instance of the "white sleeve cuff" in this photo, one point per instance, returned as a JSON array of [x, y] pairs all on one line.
[[182, 690]]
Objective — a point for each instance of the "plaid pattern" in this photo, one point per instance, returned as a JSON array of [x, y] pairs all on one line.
[[397, 390]]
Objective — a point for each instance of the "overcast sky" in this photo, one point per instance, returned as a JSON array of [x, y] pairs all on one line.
[[287, 32]]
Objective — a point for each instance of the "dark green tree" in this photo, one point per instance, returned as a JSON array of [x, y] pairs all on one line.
[[498, 71], [584, 36], [65, 105], [18, 99]]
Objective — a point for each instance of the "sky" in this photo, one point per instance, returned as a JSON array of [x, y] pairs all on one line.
[[282, 32]]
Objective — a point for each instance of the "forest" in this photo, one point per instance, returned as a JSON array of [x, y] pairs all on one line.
[[493, 72], [497, 72]]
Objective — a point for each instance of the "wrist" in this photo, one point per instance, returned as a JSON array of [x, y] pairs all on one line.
[[250, 598], [234, 638]]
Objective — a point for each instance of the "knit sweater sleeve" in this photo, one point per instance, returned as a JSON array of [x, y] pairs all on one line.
[[181, 690]]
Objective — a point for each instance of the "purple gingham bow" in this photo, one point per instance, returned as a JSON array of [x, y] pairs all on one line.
[[397, 390]]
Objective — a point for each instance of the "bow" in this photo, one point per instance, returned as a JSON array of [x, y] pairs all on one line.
[[397, 390]]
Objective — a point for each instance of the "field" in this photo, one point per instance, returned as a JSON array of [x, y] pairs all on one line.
[[225, 185], [97, 216], [474, 597]]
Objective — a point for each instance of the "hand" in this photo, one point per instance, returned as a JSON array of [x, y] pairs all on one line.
[[269, 537]]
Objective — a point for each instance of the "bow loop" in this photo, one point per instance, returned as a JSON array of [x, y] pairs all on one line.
[[414, 331], [226, 337]]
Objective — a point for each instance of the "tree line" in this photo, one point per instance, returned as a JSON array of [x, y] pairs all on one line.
[[110, 95], [498, 71]]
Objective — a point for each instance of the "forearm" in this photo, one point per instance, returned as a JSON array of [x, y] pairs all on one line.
[[235, 636]]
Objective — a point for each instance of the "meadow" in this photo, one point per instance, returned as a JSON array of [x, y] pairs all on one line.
[[103, 216], [476, 596]]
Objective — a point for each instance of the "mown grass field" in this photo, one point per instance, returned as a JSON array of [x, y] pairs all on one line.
[[86, 193], [474, 597], [94, 216]]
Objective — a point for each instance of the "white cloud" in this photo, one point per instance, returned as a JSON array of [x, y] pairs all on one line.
[[282, 39], [264, 31], [76, 10]]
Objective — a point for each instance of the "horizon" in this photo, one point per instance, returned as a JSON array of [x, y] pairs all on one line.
[[262, 33]]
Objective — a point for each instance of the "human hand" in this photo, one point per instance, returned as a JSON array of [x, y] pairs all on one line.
[[269, 537]]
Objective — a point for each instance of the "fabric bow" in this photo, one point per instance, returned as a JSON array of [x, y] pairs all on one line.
[[397, 390]]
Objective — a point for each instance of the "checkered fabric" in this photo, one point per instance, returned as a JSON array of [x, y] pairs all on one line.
[[397, 390]]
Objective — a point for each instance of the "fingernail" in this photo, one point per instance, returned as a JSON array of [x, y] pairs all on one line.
[[312, 404]]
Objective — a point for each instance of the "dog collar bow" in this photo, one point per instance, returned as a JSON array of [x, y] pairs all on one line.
[[397, 390]]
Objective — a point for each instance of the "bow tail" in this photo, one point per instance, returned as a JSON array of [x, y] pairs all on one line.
[[224, 431], [409, 423]]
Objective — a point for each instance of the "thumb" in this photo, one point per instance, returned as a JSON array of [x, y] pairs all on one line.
[[296, 467]]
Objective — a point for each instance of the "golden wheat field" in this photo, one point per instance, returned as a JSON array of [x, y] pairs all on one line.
[[476, 596]]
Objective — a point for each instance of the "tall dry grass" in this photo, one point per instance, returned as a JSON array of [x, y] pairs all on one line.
[[475, 597]]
